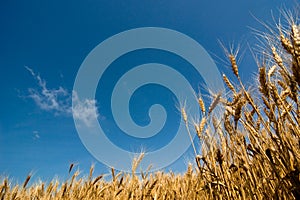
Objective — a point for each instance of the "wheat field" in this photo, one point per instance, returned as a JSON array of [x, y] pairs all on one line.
[[251, 152]]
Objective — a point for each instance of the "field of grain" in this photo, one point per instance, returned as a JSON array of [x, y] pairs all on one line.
[[251, 152]]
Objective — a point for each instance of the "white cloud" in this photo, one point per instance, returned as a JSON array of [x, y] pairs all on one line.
[[56, 100], [84, 110], [59, 101]]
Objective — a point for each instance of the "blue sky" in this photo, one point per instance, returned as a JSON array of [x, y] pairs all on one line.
[[43, 44]]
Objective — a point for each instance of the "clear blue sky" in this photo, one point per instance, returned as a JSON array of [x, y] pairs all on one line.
[[47, 41]]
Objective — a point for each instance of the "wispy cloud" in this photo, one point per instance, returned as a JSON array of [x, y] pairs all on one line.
[[55, 100], [59, 101], [36, 135]]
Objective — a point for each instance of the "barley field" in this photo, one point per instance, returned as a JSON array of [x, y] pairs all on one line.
[[251, 152]]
